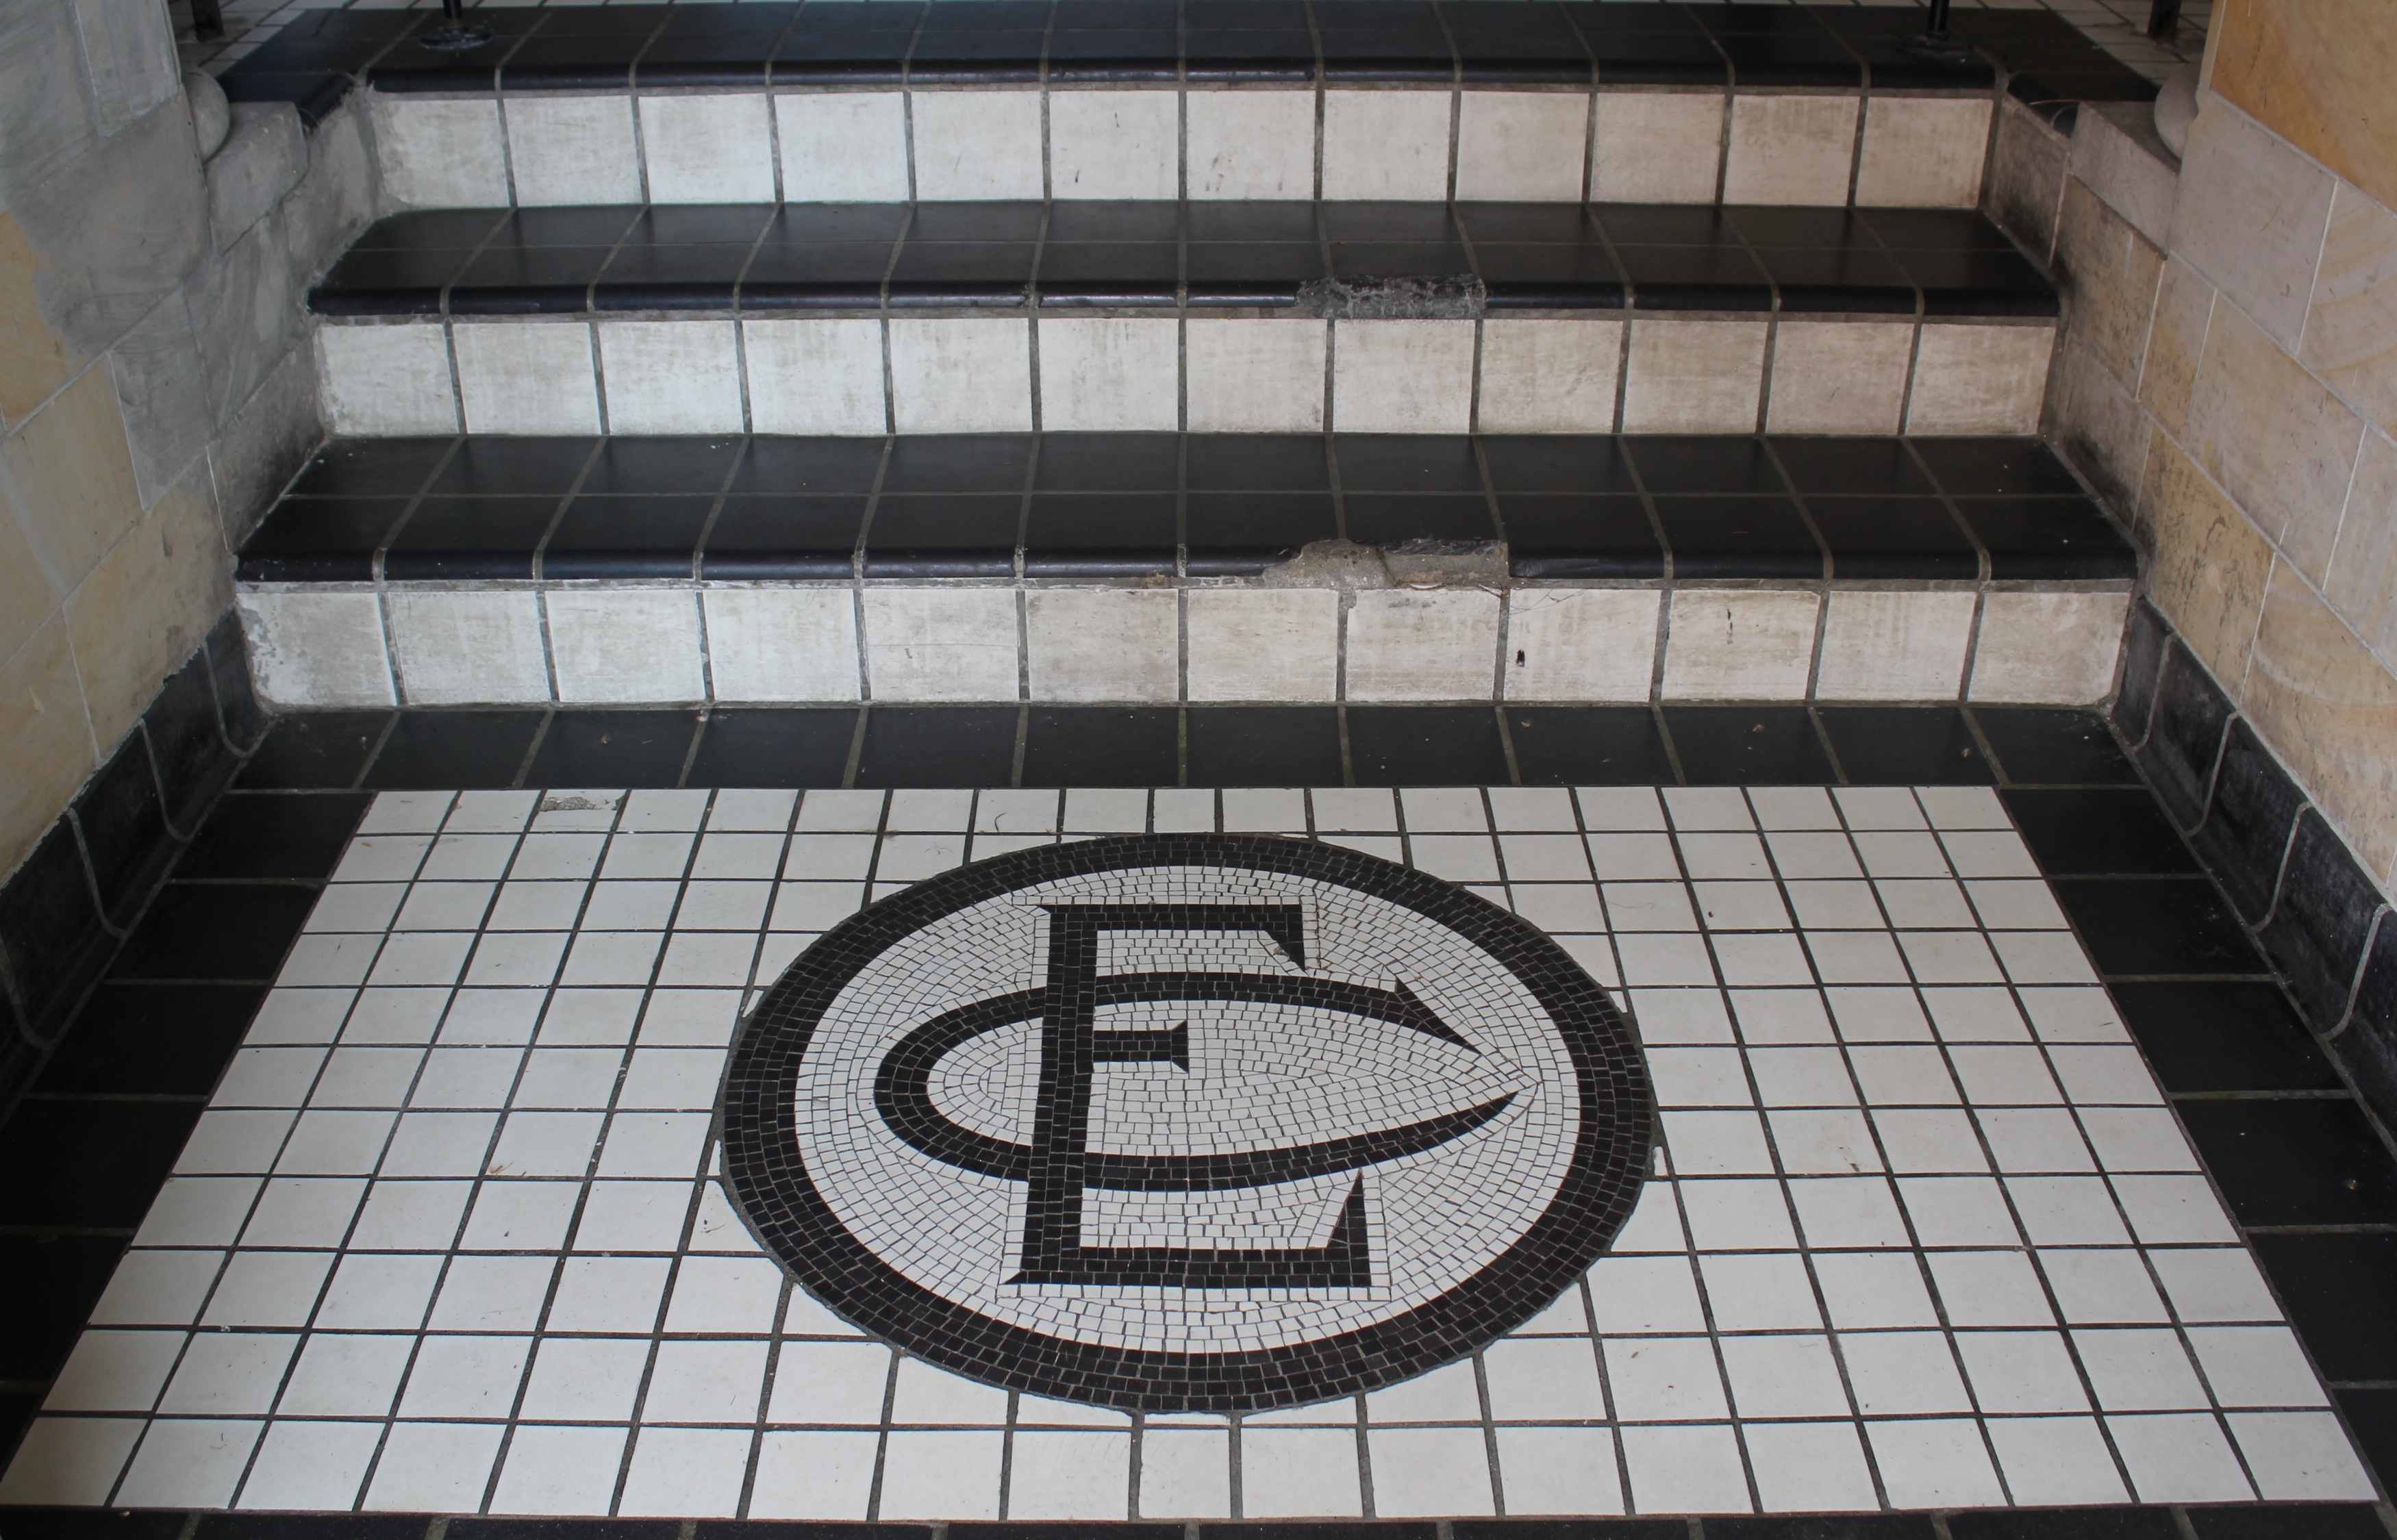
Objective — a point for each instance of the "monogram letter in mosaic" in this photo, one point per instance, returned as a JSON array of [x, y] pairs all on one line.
[[1187, 1122]]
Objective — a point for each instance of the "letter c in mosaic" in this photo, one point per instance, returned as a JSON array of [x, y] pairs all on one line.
[[1192, 1123]]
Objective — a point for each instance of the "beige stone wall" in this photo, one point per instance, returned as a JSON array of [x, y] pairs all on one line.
[[151, 398], [2230, 376]]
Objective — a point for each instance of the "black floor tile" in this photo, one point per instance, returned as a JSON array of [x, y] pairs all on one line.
[[2289, 1521], [1035, 1530], [1108, 462], [805, 746], [1448, 521], [374, 467], [628, 466], [1234, 534], [2312, 1161], [1407, 463], [1841, 1526], [938, 746], [1264, 747], [95, 1523], [783, 537], [951, 536], [1587, 746], [514, 467], [54, 1282], [2340, 1292], [1427, 747], [2157, 926], [1892, 537], [320, 539], [2223, 1036], [1675, 463], [2049, 537], [2038, 746], [1748, 745], [566, 1529], [451, 538], [2095, 833], [2323, 922], [810, 466], [2186, 740], [1103, 746], [1100, 535], [1579, 537], [957, 463], [50, 925], [88, 1165], [314, 1526], [466, 750], [187, 742], [257, 835], [215, 931], [1984, 467], [612, 748], [1258, 462], [1852, 466], [639, 536], [1738, 537], [171, 1039], [313, 749], [1556, 463], [1571, 1529], [2110, 1523], [1351, 1529], [1906, 746]]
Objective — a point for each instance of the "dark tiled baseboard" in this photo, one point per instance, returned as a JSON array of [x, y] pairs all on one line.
[[2290, 880], [77, 895]]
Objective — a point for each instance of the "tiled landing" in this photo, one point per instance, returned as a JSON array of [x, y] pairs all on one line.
[[1923, 1234], [1927, 1234]]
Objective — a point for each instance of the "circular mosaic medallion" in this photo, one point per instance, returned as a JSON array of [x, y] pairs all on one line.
[[1186, 1122]]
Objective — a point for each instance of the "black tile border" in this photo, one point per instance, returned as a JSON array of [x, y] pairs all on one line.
[[83, 887], [2292, 882]]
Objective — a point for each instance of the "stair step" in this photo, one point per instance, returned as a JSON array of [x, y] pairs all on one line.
[[1390, 318], [1162, 568], [1549, 102], [1341, 257]]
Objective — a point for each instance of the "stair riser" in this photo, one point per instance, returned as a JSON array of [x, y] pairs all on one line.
[[669, 644], [1670, 374], [1620, 145]]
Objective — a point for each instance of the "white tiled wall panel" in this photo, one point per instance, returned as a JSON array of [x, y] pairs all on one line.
[[1208, 374], [660, 643], [1646, 145]]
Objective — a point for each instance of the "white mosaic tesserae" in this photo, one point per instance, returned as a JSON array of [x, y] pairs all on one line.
[[1920, 1233]]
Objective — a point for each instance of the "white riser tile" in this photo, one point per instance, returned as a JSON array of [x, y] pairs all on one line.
[[1477, 143], [973, 374], [659, 644]]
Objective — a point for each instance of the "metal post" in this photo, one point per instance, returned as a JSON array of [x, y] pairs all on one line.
[[455, 34], [207, 20], [2163, 19], [1935, 44]]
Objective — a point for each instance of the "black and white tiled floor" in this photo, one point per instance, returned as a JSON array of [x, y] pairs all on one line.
[[450, 1235]]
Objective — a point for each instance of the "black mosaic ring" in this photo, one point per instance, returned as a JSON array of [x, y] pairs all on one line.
[[1590, 1194]]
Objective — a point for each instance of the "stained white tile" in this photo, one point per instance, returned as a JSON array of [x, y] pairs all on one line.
[[961, 375], [521, 378], [1256, 375], [708, 148], [1790, 149], [843, 146], [1389, 145], [670, 377], [1250, 144], [1402, 376], [977, 144], [1521, 147], [1656, 147], [572, 150], [1110, 375], [1113, 144], [381, 380]]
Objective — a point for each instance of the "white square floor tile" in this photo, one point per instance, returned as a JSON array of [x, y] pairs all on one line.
[[1923, 1217]]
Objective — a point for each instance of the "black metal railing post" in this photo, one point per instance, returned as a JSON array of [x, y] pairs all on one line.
[[455, 34], [1935, 44]]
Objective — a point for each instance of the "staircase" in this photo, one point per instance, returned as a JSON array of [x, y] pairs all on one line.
[[1116, 351]]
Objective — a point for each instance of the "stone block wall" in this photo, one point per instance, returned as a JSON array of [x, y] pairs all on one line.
[[2229, 376], [153, 399]]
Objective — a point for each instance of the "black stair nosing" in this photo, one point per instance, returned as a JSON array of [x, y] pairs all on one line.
[[1877, 531], [1973, 271]]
